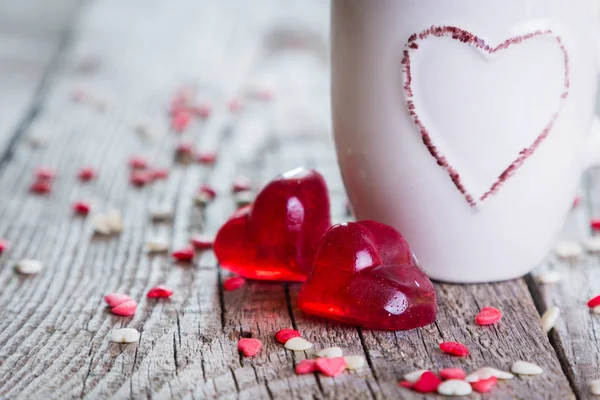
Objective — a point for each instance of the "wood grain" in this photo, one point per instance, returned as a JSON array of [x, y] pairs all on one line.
[[54, 327]]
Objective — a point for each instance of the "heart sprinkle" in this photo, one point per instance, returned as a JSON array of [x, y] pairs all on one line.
[[240, 184], [127, 308], [159, 292], [548, 277], [592, 244], [454, 348], [114, 299], [81, 207], [157, 245], [525, 368], [159, 174], [354, 362], [207, 157], [454, 387], [484, 385], [29, 267], [595, 224], [298, 344], [594, 301], [283, 335], [568, 250], [138, 162], [414, 376], [330, 352], [488, 316], [549, 318], [234, 283], [202, 242], [595, 386], [452, 373], [427, 383], [249, 347], [331, 366], [184, 254], [160, 214], [124, 335], [45, 173], [3, 245], [306, 367], [41, 187], [180, 120]]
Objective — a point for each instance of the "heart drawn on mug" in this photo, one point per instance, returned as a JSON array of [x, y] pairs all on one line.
[[480, 45]]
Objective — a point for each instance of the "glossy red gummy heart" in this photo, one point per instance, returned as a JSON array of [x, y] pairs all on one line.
[[365, 274], [277, 236]]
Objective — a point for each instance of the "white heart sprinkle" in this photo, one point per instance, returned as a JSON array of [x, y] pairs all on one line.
[[29, 267], [549, 318], [595, 386], [244, 198], [568, 250], [414, 376], [592, 244], [548, 277], [354, 362], [157, 245], [526, 368], [330, 352], [101, 225], [298, 344], [454, 387], [124, 335], [114, 220], [486, 373], [161, 214]]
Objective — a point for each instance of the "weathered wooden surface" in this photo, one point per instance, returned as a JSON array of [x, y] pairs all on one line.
[[54, 327]]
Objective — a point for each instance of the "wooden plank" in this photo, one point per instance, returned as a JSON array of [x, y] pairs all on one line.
[[575, 335], [54, 327]]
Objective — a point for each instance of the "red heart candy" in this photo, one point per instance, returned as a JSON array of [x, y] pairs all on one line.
[[159, 292], [365, 274], [277, 237], [488, 316], [454, 348], [427, 383], [452, 373], [249, 347], [306, 367], [114, 299], [127, 308], [331, 366], [484, 385], [283, 335]]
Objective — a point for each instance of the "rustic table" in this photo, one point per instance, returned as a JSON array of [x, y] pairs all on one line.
[[132, 55]]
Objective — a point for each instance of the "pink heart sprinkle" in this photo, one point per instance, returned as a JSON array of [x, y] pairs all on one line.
[[331, 366], [249, 347], [306, 367], [126, 308], [114, 299]]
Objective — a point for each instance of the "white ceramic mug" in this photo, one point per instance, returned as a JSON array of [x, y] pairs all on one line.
[[465, 124]]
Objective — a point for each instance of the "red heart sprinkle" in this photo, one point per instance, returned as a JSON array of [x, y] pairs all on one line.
[[249, 347], [159, 292], [44, 173], [140, 178], [595, 224], [427, 383], [454, 348], [159, 174], [208, 190], [405, 384], [241, 183], [488, 316], [81, 207], [306, 367], [86, 174], [180, 120], [283, 335], [138, 162], [3, 245], [41, 187], [233, 283], [202, 242], [277, 236], [331, 366], [365, 274], [184, 254], [114, 299], [207, 157], [452, 373], [484, 385], [126, 308], [594, 301]]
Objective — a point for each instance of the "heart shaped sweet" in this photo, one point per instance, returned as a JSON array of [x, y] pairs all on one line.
[[277, 236], [365, 274], [539, 119]]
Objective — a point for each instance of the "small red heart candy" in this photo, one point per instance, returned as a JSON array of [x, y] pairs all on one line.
[[283, 335], [427, 383], [306, 367], [126, 308], [159, 292], [452, 373], [365, 274], [234, 283], [331, 366], [277, 237], [114, 299], [488, 316], [484, 385], [454, 348], [249, 347]]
